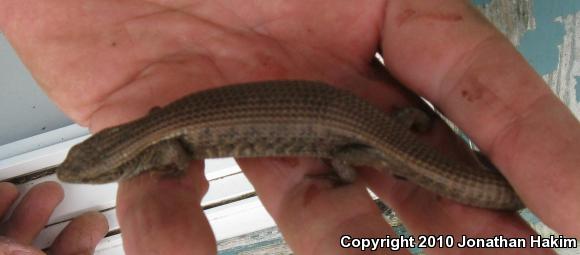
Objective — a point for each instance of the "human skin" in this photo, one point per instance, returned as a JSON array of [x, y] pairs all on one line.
[[108, 62], [31, 215]]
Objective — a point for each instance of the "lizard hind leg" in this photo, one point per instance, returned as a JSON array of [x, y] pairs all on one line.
[[345, 158], [414, 119], [168, 156], [345, 172]]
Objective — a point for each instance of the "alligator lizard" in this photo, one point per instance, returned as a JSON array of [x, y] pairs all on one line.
[[281, 118]]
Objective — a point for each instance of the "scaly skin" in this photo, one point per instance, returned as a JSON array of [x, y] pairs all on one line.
[[280, 118]]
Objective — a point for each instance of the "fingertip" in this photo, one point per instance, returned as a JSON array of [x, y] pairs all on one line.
[[50, 192], [53, 188], [8, 188], [81, 235], [163, 213], [98, 220], [8, 194]]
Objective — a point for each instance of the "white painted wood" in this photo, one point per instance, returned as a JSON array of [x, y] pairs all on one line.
[[228, 187], [238, 218], [226, 221], [35, 160], [43, 140], [112, 245]]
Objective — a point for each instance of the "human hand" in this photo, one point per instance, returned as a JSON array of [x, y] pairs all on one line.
[[81, 236], [105, 63]]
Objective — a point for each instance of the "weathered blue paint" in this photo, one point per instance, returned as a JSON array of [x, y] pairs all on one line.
[[540, 47]]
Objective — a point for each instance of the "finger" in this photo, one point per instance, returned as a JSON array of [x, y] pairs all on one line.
[[162, 214], [424, 213], [8, 194], [81, 235], [311, 211], [33, 212], [471, 72], [9, 246]]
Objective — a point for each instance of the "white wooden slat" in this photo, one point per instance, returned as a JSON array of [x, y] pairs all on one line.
[[226, 221], [35, 160], [228, 187], [111, 245], [239, 218], [39, 151], [217, 168], [43, 140]]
